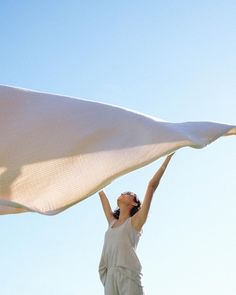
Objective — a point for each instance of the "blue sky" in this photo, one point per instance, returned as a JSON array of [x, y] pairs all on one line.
[[171, 59]]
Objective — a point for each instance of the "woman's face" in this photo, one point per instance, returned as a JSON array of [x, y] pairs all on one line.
[[126, 198]]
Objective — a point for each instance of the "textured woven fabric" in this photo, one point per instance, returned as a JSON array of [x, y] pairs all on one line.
[[56, 151]]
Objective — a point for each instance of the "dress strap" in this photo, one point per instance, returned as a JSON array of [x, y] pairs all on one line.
[[112, 222]]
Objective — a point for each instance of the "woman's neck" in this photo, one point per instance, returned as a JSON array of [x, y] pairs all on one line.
[[124, 214]]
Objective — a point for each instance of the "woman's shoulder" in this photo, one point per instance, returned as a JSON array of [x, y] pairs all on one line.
[[136, 225], [111, 221]]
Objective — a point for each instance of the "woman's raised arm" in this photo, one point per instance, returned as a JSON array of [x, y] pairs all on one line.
[[140, 217], [106, 206]]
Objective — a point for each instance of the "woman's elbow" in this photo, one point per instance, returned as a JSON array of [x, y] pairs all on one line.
[[152, 185]]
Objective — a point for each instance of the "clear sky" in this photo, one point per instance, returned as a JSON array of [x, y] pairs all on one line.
[[171, 59]]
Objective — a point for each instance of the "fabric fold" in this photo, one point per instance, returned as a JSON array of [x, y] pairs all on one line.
[[56, 150]]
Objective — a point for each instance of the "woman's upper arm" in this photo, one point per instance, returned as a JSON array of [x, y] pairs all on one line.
[[110, 218], [141, 216], [106, 206]]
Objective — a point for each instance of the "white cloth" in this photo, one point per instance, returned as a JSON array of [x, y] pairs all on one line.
[[122, 281], [56, 151], [119, 249]]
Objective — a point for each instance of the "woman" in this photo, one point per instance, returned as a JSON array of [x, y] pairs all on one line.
[[119, 267]]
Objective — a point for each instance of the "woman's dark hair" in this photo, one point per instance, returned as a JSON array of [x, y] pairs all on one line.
[[134, 210]]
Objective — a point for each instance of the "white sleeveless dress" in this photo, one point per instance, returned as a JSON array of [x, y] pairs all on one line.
[[119, 256]]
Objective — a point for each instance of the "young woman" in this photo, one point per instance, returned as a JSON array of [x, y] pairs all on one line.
[[119, 267]]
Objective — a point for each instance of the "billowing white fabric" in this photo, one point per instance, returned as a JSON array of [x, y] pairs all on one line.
[[56, 151]]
